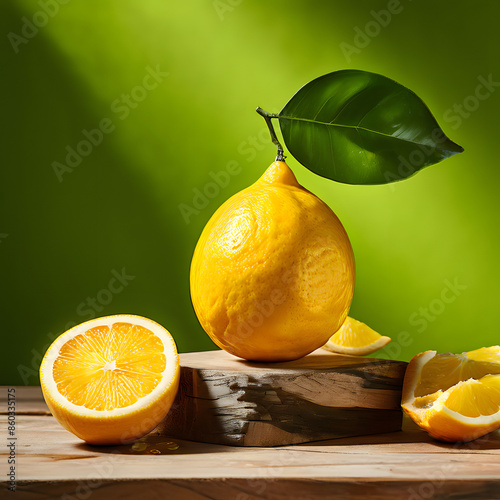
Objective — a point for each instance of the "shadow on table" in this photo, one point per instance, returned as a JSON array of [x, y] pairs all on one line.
[[153, 444], [157, 444], [412, 434]]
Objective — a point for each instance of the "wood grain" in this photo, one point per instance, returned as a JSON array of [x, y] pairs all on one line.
[[52, 463], [29, 401], [226, 400]]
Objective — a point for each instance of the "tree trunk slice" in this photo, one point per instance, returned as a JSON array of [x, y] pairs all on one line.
[[226, 400]]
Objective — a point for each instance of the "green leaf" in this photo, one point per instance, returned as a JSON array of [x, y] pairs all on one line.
[[362, 128]]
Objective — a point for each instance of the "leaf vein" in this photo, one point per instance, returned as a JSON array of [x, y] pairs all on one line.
[[364, 148], [334, 163], [349, 101], [378, 104], [324, 104], [356, 127]]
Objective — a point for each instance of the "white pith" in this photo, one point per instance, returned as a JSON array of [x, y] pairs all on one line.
[[424, 359], [366, 349], [439, 405], [167, 376]]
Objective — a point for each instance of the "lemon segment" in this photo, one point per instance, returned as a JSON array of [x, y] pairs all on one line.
[[355, 338], [111, 380], [454, 397]]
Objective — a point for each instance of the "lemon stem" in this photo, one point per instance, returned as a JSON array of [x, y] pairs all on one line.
[[267, 116]]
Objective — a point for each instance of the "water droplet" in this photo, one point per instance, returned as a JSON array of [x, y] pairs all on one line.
[[154, 451], [139, 446], [170, 445]]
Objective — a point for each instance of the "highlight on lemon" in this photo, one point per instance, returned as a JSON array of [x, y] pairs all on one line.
[[272, 274], [355, 338], [454, 397], [111, 380]]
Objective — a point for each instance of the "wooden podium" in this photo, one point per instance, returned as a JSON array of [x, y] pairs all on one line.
[[226, 400]]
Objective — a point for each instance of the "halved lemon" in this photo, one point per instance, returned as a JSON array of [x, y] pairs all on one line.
[[111, 380], [355, 338], [454, 397]]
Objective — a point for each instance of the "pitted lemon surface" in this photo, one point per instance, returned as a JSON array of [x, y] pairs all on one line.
[[272, 275]]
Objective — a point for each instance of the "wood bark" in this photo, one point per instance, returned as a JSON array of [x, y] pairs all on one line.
[[223, 399]]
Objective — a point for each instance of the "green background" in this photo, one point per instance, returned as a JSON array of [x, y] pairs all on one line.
[[61, 239]]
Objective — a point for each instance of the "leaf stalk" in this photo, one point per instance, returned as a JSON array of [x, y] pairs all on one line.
[[267, 116]]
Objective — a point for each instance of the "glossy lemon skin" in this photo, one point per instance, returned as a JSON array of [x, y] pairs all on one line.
[[272, 275]]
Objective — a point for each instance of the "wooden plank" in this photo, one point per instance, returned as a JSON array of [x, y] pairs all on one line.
[[318, 359], [52, 463], [28, 400], [226, 400], [244, 489]]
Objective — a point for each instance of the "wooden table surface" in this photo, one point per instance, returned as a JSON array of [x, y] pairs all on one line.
[[52, 463]]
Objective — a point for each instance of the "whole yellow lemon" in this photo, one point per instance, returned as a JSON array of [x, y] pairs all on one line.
[[272, 275]]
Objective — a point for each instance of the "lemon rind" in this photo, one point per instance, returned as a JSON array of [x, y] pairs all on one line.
[[360, 351], [168, 376]]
